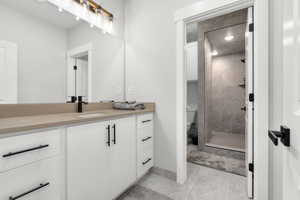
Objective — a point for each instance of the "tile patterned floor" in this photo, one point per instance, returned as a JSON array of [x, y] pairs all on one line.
[[203, 184]]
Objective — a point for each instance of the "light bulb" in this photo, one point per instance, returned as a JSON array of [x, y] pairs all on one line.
[[214, 53], [229, 37]]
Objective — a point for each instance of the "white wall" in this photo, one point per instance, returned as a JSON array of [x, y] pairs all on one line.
[[108, 53], [150, 67], [41, 59]]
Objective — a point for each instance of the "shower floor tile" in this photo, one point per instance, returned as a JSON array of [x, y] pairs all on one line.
[[229, 141]]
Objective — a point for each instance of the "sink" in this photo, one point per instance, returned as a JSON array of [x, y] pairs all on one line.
[[91, 115]]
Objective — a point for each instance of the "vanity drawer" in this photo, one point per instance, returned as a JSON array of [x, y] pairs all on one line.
[[145, 121], [21, 150], [36, 181], [145, 162]]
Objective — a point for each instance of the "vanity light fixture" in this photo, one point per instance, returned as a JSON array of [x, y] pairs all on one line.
[[103, 20], [214, 53], [229, 38], [94, 7], [86, 10]]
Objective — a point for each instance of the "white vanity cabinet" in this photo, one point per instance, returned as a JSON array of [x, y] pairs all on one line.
[[144, 143], [31, 166], [93, 160], [101, 159]]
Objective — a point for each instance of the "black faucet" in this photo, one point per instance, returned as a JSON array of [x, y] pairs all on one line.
[[80, 104], [73, 99]]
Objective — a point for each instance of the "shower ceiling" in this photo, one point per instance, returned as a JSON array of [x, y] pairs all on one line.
[[223, 47]]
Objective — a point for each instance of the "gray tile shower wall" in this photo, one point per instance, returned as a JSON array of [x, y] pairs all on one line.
[[227, 98]]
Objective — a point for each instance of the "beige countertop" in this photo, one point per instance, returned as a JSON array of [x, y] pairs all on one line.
[[28, 123]]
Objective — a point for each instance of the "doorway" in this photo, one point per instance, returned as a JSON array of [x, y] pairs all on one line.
[[79, 73], [209, 9], [219, 65]]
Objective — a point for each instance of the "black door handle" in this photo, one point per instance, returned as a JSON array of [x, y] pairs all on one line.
[[30, 191], [283, 134], [25, 151], [108, 135], [115, 139]]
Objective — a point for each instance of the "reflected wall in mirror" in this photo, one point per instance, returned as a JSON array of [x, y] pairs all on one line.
[[39, 47]]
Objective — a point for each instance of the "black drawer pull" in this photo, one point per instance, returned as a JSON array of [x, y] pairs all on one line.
[[108, 135], [115, 139], [26, 150], [30, 191], [144, 163], [148, 138], [149, 120]]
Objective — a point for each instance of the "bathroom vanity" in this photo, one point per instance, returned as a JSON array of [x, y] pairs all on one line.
[[93, 155]]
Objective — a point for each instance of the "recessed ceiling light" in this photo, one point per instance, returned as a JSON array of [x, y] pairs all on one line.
[[92, 25], [77, 18], [60, 9], [229, 37], [214, 53]]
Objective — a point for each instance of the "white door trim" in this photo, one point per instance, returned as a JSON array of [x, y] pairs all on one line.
[[77, 51], [211, 8]]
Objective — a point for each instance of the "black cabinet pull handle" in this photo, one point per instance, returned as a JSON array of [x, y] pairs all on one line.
[[146, 121], [30, 191], [145, 139], [108, 135], [115, 139], [26, 150], [144, 163]]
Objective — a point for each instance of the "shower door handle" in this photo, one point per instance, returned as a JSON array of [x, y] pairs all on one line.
[[243, 108]]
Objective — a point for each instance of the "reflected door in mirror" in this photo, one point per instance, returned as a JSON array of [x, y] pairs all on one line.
[[8, 73]]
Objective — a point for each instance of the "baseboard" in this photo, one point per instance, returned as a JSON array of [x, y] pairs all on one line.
[[164, 172]]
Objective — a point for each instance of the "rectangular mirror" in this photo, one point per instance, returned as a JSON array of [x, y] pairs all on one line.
[[48, 55]]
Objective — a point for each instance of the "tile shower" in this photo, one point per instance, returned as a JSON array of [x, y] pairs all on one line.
[[225, 114]]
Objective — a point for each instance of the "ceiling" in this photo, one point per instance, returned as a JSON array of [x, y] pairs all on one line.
[[43, 10], [223, 47]]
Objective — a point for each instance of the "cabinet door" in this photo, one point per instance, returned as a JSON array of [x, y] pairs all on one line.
[[123, 155], [87, 162]]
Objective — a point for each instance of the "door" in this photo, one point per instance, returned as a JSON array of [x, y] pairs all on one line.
[[8, 73], [249, 103], [87, 162], [82, 77], [122, 154], [291, 98]]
